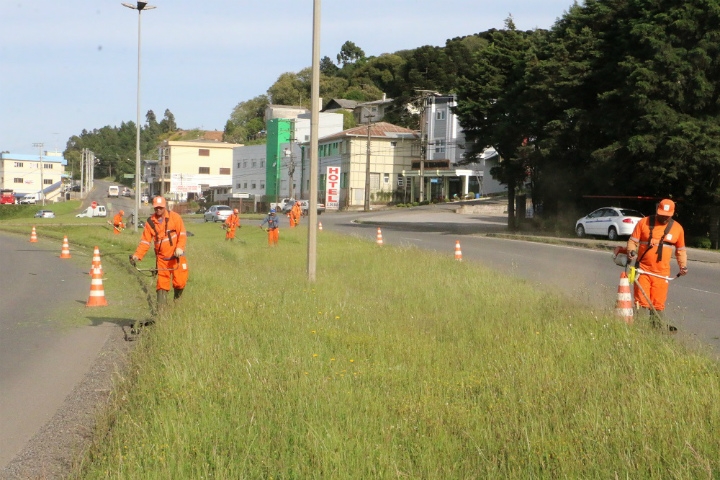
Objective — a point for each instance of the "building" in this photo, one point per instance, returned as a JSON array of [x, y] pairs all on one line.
[[41, 174], [278, 169], [388, 149], [186, 168], [438, 175]]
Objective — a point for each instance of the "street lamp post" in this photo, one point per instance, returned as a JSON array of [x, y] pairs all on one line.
[[139, 7], [291, 170], [42, 179]]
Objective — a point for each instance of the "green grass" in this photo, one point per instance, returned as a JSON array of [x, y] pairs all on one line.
[[395, 363]]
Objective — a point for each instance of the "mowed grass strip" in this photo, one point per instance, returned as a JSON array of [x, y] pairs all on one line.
[[396, 363]]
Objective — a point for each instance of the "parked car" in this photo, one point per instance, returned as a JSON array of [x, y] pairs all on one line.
[[145, 198], [75, 188], [305, 205], [217, 213], [126, 192], [613, 222], [30, 199], [44, 214], [98, 211]]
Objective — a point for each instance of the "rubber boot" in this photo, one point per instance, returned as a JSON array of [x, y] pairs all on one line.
[[161, 300], [178, 293]]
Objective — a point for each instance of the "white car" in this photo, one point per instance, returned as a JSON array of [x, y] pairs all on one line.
[[610, 222], [217, 213], [45, 214]]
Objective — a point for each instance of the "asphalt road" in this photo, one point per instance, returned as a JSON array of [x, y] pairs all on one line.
[[42, 358]]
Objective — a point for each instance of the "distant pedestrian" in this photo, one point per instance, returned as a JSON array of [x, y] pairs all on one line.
[[118, 224], [231, 223], [273, 223]]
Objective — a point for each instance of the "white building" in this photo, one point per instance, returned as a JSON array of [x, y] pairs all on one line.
[[41, 174]]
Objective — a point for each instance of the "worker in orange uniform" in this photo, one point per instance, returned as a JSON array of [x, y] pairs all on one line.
[[231, 223], [273, 223], [165, 231], [118, 224], [650, 246], [295, 214]]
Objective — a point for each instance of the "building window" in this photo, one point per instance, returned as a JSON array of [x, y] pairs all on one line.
[[439, 146], [237, 185], [238, 165], [245, 185], [393, 144], [167, 169], [244, 163], [262, 186], [254, 185], [47, 181], [386, 178], [18, 165], [262, 163], [440, 115], [48, 165], [343, 180], [224, 171], [205, 170], [17, 180], [254, 163], [204, 152]]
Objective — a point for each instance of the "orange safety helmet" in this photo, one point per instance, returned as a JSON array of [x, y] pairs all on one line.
[[235, 210], [159, 202], [121, 212]]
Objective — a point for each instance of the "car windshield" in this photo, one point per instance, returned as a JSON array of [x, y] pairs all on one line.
[[631, 213]]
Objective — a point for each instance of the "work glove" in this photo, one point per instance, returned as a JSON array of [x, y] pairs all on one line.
[[133, 260], [179, 252], [683, 271]]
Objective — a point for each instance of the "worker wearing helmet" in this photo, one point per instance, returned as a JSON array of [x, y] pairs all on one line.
[[118, 224], [650, 245], [231, 223], [165, 231], [273, 223], [295, 214]]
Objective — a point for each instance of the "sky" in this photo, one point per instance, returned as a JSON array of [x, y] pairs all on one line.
[[71, 65]]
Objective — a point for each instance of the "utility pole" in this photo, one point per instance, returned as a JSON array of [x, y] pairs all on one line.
[[42, 168], [82, 173], [423, 141], [367, 166]]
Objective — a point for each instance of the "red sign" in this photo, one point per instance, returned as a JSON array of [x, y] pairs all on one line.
[[93, 205], [332, 188]]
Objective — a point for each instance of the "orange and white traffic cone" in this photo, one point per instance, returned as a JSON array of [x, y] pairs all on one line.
[[624, 305], [97, 292], [96, 260], [379, 237], [458, 252], [319, 225], [65, 252], [33, 236]]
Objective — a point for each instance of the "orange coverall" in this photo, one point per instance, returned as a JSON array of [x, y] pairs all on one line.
[[231, 223], [166, 233], [118, 224], [295, 214], [646, 243]]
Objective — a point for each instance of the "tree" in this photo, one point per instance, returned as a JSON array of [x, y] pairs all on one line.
[[327, 67], [492, 108], [168, 125], [246, 120], [349, 53]]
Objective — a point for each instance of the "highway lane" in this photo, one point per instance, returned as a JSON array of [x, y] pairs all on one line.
[[588, 276], [42, 357]]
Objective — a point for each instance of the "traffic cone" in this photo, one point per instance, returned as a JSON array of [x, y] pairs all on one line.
[[458, 252], [65, 253], [97, 292], [33, 236], [624, 305], [96, 260], [319, 225], [379, 237]]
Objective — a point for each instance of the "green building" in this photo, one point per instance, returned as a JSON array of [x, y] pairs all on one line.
[[279, 133]]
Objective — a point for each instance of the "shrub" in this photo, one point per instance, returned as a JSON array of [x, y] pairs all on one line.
[[699, 242]]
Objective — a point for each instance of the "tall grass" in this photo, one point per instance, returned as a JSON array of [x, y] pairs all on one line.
[[396, 363]]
